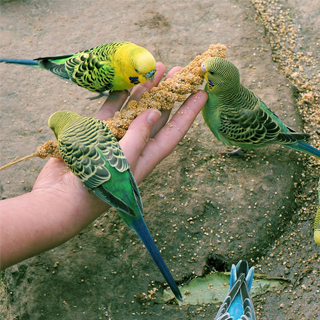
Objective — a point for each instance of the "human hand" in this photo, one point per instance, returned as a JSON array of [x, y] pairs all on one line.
[[59, 205], [142, 152]]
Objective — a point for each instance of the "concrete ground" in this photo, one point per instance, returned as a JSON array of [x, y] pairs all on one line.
[[206, 210]]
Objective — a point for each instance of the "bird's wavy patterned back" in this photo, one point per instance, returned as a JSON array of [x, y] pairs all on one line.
[[88, 147]]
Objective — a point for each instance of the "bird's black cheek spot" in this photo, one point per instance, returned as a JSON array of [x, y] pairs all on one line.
[[134, 80], [211, 83]]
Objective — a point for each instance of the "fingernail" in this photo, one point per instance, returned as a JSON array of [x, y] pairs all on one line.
[[153, 116]]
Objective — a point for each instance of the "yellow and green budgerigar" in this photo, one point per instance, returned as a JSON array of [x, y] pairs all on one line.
[[238, 117], [90, 150], [317, 220], [112, 66]]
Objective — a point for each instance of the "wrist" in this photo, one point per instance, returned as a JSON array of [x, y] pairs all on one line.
[[45, 218]]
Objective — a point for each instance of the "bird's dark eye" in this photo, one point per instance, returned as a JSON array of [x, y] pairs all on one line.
[[211, 72], [136, 70]]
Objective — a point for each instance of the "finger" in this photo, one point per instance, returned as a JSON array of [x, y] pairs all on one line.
[[160, 123], [172, 72], [170, 135], [165, 113], [144, 87], [138, 135], [114, 102]]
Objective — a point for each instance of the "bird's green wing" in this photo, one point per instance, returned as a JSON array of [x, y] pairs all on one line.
[[287, 133], [90, 150], [91, 71], [123, 195], [57, 59], [258, 126], [56, 65]]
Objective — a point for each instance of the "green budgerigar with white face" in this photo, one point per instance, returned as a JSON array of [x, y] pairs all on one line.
[[92, 153], [238, 117]]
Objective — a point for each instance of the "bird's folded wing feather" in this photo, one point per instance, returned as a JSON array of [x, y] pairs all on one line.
[[248, 309], [90, 70], [89, 150], [256, 126], [223, 311]]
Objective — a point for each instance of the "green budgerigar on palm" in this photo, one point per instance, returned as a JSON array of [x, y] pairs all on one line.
[[113, 66], [92, 153], [238, 117]]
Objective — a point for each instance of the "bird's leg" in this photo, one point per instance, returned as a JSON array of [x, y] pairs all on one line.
[[101, 94], [105, 94], [233, 152]]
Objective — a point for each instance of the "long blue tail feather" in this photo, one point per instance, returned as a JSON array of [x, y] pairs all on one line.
[[307, 148], [140, 227], [24, 62]]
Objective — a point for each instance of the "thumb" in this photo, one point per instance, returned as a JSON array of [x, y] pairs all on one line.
[[138, 135]]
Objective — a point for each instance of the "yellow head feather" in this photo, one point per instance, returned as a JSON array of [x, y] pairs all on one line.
[[133, 64]]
